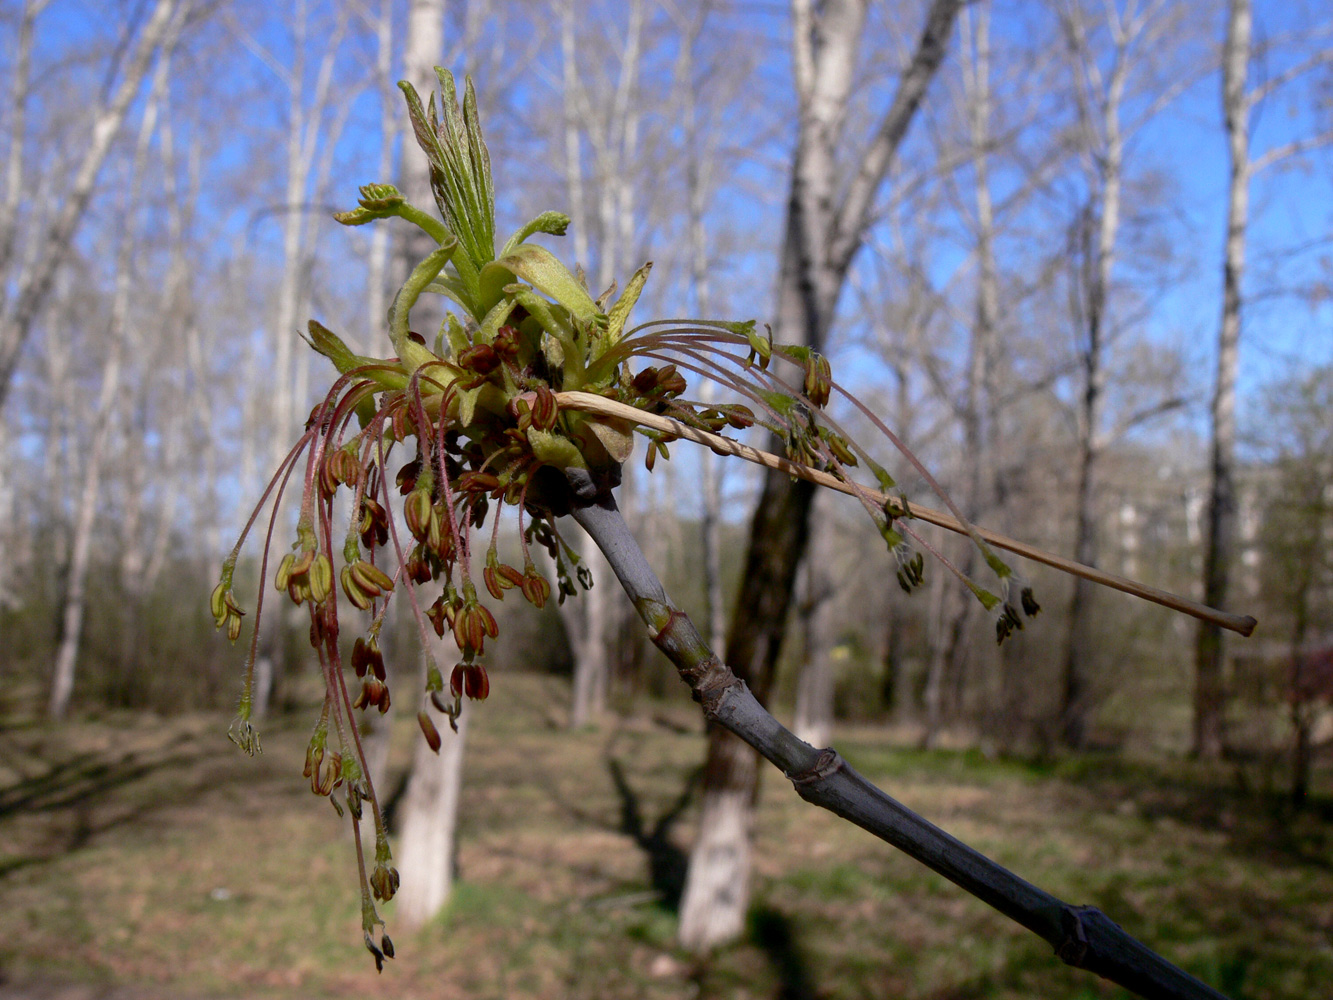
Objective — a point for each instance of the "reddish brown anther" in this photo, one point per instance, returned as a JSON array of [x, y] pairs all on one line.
[[437, 616], [739, 416], [506, 342], [328, 479], [374, 524], [477, 482], [429, 731], [406, 479], [480, 358], [477, 684], [535, 588], [470, 679], [368, 695], [545, 409], [670, 381], [418, 566], [488, 620], [360, 657], [327, 773], [645, 381]]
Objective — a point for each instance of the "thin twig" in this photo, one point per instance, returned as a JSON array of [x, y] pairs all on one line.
[[600, 405], [1081, 935]]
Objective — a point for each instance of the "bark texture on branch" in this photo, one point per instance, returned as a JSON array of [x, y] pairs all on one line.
[[1081, 935]]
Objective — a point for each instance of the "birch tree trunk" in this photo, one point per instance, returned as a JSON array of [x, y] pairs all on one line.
[[981, 420], [20, 88], [19, 91], [697, 163], [376, 727], [812, 720], [103, 417], [1239, 99], [18, 315], [824, 228], [430, 805], [1096, 233], [1220, 543], [377, 266], [427, 847], [306, 137], [614, 140]]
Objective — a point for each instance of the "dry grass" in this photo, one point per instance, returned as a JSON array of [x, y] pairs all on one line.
[[143, 854]]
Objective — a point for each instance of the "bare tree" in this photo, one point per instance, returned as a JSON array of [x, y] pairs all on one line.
[[611, 130], [377, 264], [32, 284], [825, 225], [1094, 236], [698, 165], [1134, 34], [103, 416], [430, 805], [1239, 101]]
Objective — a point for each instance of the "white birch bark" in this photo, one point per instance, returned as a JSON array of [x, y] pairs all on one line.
[[1134, 35], [426, 847], [307, 136], [19, 91], [697, 166], [377, 266], [103, 417], [1239, 100], [824, 229], [1103, 153], [812, 719], [614, 141], [20, 88], [1219, 549], [144, 549]]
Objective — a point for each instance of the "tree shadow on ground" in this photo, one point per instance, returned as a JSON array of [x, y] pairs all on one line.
[[667, 863], [774, 933], [1258, 824], [82, 795]]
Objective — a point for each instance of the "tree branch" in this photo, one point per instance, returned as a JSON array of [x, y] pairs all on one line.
[[1081, 935], [1294, 148], [850, 224], [589, 403]]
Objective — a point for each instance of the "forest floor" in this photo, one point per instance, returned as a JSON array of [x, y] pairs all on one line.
[[142, 857]]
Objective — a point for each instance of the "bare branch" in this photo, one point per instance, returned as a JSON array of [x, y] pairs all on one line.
[[590, 403], [1294, 148], [850, 224], [1081, 935], [1261, 91], [17, 321]]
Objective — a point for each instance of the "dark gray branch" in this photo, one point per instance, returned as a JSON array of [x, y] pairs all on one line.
[[1081, 935]]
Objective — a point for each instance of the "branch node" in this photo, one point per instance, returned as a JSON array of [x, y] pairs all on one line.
[[828, 762], [1073, 948], [713, 682]]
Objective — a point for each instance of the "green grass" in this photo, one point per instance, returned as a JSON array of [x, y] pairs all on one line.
[[144, 852]]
